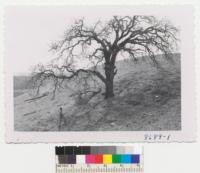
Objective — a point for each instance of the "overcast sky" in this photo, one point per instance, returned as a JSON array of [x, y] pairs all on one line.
[[30, 30]]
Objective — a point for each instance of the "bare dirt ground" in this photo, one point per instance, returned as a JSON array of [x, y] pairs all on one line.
[[146, 99]]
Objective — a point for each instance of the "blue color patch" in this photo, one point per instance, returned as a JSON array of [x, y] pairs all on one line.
[[126, 158], [135, 158]]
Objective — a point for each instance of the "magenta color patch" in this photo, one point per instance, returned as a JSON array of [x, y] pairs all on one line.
[[90, 159]]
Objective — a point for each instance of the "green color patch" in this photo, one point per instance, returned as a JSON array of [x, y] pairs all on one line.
[[116, 158]]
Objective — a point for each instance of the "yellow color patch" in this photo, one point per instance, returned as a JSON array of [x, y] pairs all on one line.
[[107, 159]]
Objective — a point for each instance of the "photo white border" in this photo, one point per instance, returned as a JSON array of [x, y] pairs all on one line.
[[188, 132]]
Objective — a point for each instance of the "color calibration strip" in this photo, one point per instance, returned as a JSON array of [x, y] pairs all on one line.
[[98, 159]]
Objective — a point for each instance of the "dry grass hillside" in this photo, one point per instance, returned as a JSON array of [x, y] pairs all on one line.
[[146, 98]]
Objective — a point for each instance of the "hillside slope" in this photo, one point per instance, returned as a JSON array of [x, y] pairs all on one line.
[[146, 98]]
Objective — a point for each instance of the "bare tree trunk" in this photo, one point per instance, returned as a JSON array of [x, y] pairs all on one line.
[[109, 87]]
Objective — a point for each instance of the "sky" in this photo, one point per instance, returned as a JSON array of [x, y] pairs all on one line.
[[30, 30]]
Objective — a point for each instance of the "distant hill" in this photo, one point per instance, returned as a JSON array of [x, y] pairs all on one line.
[[22, 82]]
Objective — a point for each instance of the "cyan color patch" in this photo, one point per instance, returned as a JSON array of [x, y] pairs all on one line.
[[126, 158]]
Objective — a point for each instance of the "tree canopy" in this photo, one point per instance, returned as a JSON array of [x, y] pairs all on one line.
[[102, 43]]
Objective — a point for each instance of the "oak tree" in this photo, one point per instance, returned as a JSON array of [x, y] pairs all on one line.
[[102, 44]]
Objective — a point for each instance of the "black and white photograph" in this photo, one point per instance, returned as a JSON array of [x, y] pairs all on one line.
[[96, 69]]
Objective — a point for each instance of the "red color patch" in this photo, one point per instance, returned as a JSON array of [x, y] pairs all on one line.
[[99, 159]]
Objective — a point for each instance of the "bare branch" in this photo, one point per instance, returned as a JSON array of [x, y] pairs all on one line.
[[100, 44]]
